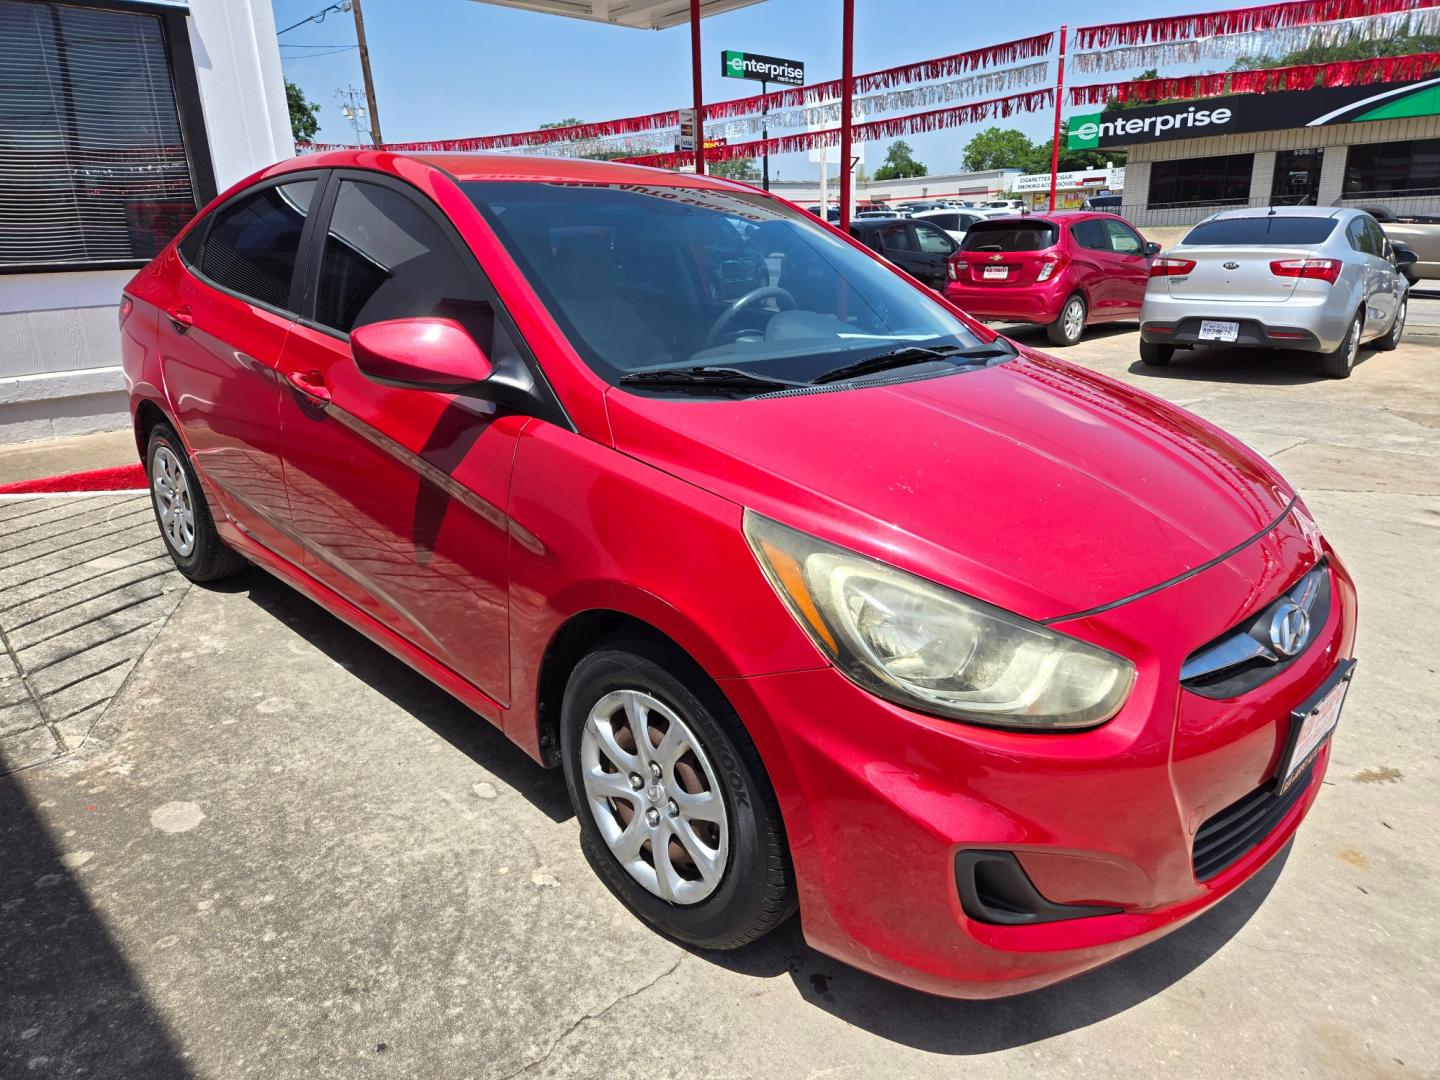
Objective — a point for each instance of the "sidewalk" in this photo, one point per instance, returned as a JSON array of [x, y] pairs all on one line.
[[51, 457]]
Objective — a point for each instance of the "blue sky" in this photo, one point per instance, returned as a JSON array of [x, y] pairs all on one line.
[[452, 68]]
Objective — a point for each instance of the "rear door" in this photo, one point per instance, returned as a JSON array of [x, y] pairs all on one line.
[[220, 339], [1093, 258], [401, 493]]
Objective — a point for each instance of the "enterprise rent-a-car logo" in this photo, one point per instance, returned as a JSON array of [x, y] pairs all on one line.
[[1085, 132], [740, 65]]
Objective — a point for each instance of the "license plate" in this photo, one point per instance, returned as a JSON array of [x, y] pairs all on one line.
[[1311, 725], [1218, 331], [996, 273]]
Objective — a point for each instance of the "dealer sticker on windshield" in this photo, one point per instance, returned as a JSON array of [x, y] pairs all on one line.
[[1312, 723], [1218, 331]]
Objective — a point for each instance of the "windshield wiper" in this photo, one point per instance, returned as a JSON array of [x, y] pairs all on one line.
[[914, 354], [720, 377]]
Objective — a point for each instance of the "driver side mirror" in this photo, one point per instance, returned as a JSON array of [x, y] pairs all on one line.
[[1152, 249], [1405, 255], [423, 354]]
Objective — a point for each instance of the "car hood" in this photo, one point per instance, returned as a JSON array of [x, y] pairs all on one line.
[[1033, 485]]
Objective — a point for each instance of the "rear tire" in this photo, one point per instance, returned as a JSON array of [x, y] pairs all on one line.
[[631, 685], [1156, 355], [1069, 325], [1340, 363], [1392, 340], [182, 512]]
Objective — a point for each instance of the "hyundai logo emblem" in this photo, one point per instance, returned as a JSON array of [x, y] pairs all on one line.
[[1232, 266], [1289, 627]]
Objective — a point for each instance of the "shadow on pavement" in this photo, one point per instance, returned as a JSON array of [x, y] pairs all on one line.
[[70, 1004], [1254, 367], [945, 1026], [468, 732]]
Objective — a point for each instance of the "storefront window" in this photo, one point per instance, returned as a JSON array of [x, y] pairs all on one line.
[[1297, 177], [93, 168], [1399, 168], [1216, 181]]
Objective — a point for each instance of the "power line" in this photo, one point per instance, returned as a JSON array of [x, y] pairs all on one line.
[[318, 17]]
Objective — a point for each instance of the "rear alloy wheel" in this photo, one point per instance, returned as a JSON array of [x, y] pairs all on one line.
[[1070, 324], [1340, 363], [677, 816], [1155, 354], [1392, 339], [182, 513]]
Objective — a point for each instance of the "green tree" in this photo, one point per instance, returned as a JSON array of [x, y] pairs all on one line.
[[304, 114], [1001, 148], [735, 169], [900, 163]]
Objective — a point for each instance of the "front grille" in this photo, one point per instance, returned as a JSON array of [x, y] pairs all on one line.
[[1242, 826]]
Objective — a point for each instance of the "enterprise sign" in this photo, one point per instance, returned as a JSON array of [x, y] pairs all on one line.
[[739, 65], [1253, 112]]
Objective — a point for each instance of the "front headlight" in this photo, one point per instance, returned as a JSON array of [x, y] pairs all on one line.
[[926, 647]]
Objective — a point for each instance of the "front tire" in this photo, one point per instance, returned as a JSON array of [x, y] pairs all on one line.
[[677, 816], [1391, 341], [1156, 355], [182, 512], [1069, 325], [1340, 363]]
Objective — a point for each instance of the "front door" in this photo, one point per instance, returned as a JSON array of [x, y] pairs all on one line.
[[399, 494], [220, 339], [1129, 267], [933, 250]]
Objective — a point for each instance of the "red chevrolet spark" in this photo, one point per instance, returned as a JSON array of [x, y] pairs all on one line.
[[1064, 270], [822, 595]]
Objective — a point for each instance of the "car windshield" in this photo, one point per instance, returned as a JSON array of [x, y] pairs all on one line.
[[1268, 231], [650, 277], [1010, 236]]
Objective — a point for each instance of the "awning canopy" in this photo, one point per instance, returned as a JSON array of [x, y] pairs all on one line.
[[640, 14]]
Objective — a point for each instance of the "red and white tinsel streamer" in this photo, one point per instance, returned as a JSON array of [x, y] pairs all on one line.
[[942, 67], [1271, 42], [1238, 21], [1262, 80], [914, 124]]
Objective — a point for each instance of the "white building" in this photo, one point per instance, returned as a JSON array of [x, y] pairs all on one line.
[[118, 119], [964, 186]]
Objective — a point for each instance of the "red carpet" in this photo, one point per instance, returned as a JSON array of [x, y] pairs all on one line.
[[119, 478]]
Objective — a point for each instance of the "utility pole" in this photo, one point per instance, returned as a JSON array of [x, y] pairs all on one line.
[[353, 110], [365, 70]]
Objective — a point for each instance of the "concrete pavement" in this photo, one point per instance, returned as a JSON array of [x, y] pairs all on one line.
[[277, 852]]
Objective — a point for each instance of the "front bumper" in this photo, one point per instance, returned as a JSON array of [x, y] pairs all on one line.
[[878, 801]]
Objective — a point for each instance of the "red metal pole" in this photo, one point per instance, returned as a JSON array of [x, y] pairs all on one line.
[[847, 94], [1059, 95], [699, 89]]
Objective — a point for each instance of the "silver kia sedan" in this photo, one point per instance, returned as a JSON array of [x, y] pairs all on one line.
[[1317, 279]]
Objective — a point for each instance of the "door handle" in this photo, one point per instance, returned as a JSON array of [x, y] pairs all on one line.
[[311, 384], [180, 318]]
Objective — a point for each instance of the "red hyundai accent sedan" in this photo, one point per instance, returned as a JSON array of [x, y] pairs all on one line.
[[1065, 270], [822, 595]]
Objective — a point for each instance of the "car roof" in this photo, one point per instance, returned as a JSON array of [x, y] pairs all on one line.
[[488, 166]]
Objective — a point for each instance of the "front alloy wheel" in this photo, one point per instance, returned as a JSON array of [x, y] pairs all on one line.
[[654, 797], [677, 815]]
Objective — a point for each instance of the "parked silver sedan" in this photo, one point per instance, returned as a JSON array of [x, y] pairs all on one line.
[[1314, 279]]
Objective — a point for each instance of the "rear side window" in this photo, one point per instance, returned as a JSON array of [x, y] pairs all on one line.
[[253, 243], [1282, 231], [1090, 234], [896, 238], [1011, 236], [385, 258]]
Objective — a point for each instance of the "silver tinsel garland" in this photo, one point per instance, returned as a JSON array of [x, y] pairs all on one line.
[[1260, 43]]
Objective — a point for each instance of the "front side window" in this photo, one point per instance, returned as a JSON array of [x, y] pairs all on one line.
[[385, 258], [1123, 240], [1215, 181], [643, 277], [91, 153], [252, 243]]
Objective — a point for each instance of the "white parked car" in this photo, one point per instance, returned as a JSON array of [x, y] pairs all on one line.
[[956, 223], [1318, 279]]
